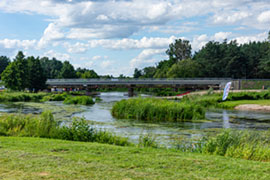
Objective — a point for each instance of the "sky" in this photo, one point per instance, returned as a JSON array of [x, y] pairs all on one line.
[[115, 37]]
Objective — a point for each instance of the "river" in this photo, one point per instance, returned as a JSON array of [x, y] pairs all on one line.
[[100, 117]]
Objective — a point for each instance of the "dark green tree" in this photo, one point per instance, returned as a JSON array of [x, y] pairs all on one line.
[[137, 73], [37, 78], [86, 73], [67, 71], [52, 68], [179, 50], [15, 76], [4, 62], [187, 68], [148, 72]]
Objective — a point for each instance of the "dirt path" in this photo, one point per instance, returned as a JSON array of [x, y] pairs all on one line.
[[252, 107]]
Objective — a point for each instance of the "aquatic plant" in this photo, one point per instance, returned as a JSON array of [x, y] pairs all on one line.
[[83, 100], [20, 97], [152, 109]]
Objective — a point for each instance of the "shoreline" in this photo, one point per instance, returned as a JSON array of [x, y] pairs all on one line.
[[253, 107]]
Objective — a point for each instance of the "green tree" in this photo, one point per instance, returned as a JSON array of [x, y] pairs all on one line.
[[187, 68], [86, 73], [52, 68], [67, 71], [148, 72], [15, 76], [4, 62], [37, 77], [179, 50], [137, 73]]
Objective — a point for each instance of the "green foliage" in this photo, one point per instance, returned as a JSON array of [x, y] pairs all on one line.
[[4, 62], [86, 74], [20, 97], [36, 76], [67, 71], [250, 145], [55, 97], [24, 73], [83, 100], [184, 69], [45, 126], [179, 50], [52, 67], [147, 140], [151, 109]]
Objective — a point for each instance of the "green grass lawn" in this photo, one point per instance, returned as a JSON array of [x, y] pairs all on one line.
[[35, 158], [233, 104]]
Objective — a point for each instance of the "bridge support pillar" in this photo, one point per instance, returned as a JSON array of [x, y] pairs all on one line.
[[131, 91]]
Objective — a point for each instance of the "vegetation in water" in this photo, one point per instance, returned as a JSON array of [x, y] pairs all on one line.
[[20, 96], [152, 109], [83, 100], [45, 126]]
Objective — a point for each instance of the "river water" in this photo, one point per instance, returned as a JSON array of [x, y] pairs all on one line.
[[100, 117]]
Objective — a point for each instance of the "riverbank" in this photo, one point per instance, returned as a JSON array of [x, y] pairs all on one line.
[[35, 158]]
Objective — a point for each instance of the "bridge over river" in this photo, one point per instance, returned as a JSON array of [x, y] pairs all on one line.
[[89, 84]]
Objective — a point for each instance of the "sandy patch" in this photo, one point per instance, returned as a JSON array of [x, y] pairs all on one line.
[[252, 107]]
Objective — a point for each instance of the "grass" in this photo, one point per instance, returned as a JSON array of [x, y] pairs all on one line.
[[20, 97], [45, 126], [151, 109], [233, 104], [245, 144], [35, 158]]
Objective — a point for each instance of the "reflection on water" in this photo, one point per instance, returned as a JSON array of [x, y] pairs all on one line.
[[100, 116]]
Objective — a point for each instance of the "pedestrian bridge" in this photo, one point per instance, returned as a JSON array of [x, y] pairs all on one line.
[[88, 84]]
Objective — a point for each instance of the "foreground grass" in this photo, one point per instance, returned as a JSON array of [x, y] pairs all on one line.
[[34, 158]]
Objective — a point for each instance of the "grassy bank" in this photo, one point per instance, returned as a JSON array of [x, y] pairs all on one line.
[[34, 158], [244, 144], [151, 109], [20, 97], [45, 126]]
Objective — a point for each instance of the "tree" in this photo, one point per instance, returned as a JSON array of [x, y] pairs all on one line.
[[137, 73], [52, 68], [15, 76], [67, 71], [86, 73], [4, 62], [179, 50], [268, 38], [149, 72], [187, 68], [37, 78]]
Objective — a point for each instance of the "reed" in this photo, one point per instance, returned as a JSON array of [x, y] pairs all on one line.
[[151, 109], [82, 100]]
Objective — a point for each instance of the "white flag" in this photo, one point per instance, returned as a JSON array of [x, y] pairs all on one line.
[[226, 91]]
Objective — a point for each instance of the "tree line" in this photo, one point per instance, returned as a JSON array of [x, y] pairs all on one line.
[[32, 72], [215, 59]]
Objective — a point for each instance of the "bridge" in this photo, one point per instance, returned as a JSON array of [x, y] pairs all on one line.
[[89, 84]]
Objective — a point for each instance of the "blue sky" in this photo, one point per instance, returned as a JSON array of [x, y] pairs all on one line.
[[114, 37]]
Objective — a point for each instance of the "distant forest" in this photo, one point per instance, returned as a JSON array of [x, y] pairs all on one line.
[[215, 60]]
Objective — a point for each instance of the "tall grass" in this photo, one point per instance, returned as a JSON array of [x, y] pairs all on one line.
[[20, 96], [151, 109], [45, 126], [245, 144], [83, 100]]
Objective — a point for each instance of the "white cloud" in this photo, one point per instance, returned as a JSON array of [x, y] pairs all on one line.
[[18, 44], [106, 64], [264, 17], [57, 55], [146, 57]]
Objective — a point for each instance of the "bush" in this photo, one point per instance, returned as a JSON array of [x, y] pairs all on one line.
[[20, 96]]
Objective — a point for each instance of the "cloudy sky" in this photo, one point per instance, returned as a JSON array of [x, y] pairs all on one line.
[[114, 37]]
